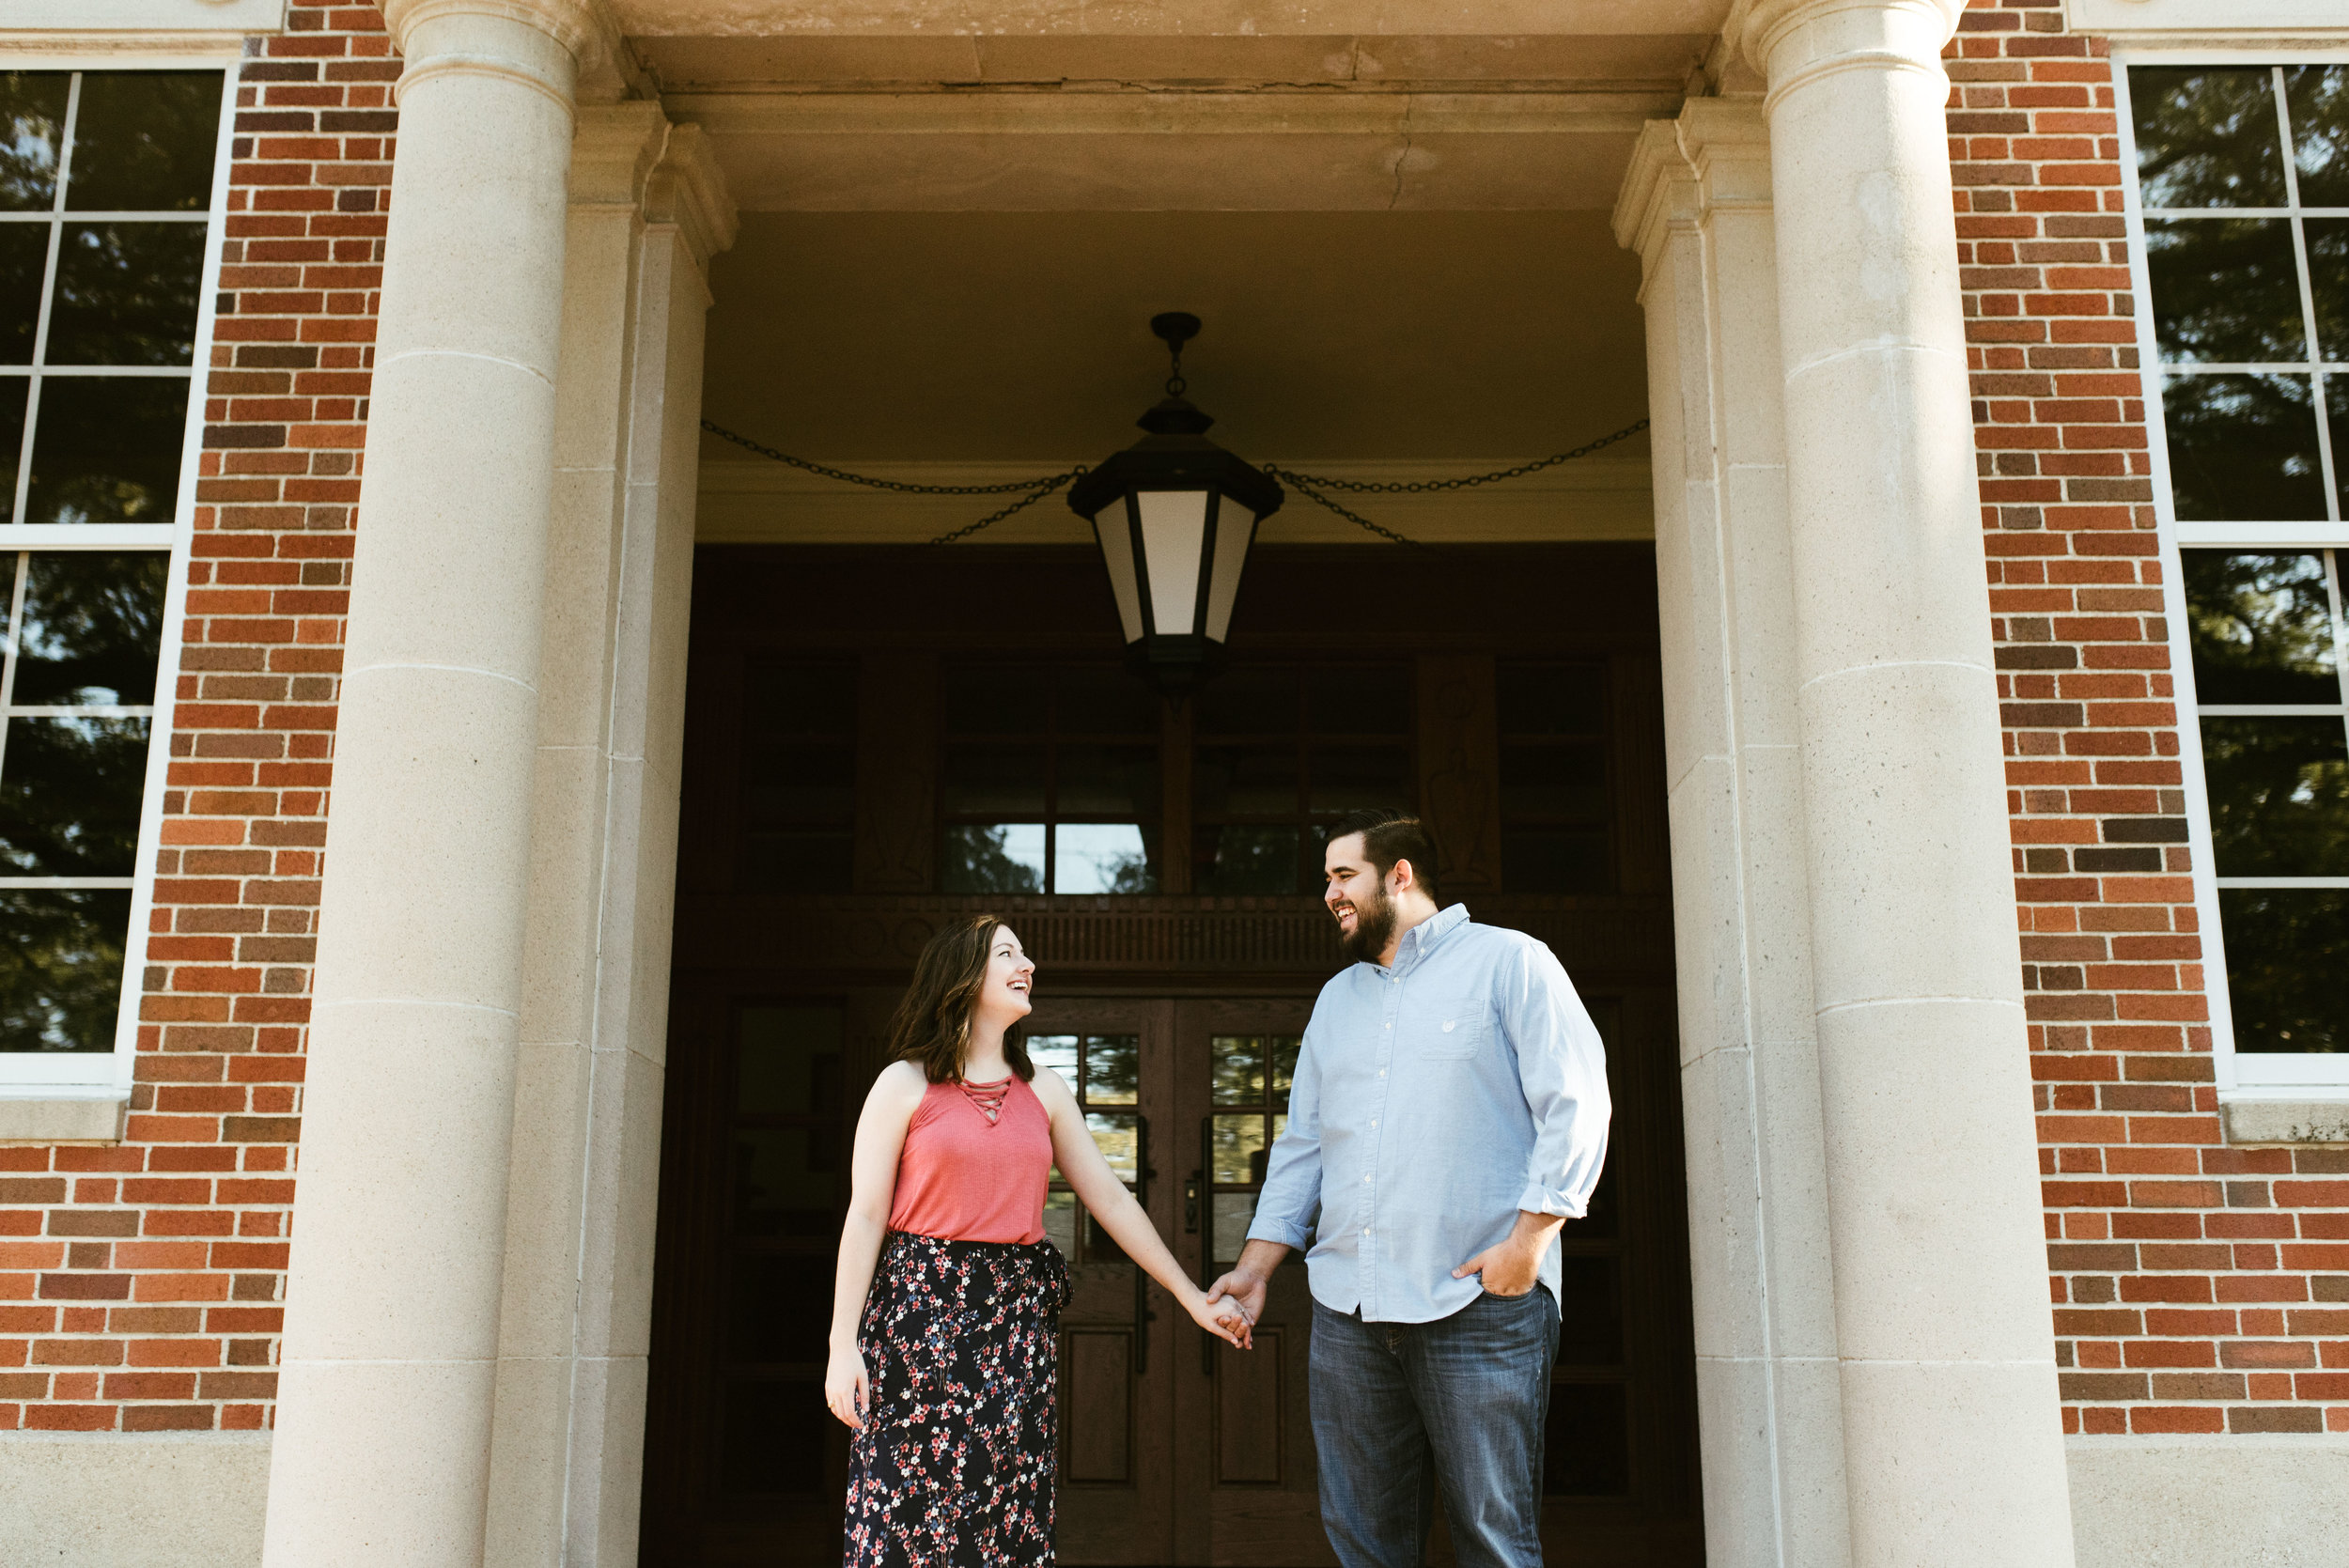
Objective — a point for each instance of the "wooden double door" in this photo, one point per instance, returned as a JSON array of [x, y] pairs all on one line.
[[1175, 1448]]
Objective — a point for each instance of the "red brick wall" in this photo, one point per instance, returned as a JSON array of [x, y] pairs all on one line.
[[141, 1285], [2197, 1287]]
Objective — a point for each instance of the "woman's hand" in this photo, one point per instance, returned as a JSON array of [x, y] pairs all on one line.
[[1225, 1319], [847, 1389]]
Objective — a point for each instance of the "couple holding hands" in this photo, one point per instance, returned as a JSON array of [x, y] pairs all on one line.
[[1447, 1116]]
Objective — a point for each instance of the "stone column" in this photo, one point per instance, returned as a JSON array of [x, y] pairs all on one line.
[[1951, 1421], [647, 209], [382, 1443], [1696, 207]]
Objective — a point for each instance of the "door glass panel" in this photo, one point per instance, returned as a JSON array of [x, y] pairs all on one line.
[[1113, 1134], [1248, 1078], [1112, 1069], [1239, 1146], [1058, 1052], [1238, 1068]]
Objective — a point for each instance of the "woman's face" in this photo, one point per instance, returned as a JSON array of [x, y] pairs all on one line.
[[1003, 994]]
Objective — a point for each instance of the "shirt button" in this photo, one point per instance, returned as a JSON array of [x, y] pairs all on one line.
[[1386, 1025], [1383, 1072], [1374, 1120]]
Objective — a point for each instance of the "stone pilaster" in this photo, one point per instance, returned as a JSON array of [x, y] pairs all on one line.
[[646, 209], [1696, 207]]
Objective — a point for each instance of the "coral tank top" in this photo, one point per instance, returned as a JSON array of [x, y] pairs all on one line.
[[965, 1178]]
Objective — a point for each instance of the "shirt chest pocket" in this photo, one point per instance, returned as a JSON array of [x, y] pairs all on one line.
[[1449, 1029]]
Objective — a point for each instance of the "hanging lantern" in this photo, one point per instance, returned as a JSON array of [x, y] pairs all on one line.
[[1175, 515]]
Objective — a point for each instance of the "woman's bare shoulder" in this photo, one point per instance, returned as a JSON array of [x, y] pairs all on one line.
[[901, 1085], [1052, 1090]]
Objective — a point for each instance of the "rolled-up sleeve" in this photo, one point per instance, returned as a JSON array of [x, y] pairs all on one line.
[[1562, 1064], [1292, 1184]]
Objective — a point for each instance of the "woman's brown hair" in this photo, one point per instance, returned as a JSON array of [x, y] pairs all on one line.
[[933, 1023]]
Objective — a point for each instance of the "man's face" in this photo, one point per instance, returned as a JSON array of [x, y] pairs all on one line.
[[1357, 899]]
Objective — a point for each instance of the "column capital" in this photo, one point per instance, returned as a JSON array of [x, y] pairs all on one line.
[[1792, 41], [629, 156], [1716, 155], [584, 30], [689, 190]]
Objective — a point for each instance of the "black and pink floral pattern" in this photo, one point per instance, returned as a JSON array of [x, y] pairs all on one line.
[[954, 1468]]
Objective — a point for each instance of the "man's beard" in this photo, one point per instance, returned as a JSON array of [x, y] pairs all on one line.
[[1373, 925]]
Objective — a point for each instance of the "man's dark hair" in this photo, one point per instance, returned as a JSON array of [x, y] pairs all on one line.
[[1389, 836]]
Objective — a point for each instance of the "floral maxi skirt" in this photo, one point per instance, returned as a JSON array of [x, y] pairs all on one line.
[[954, 1468]]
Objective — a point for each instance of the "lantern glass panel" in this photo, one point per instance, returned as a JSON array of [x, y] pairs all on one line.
[[1117, 552], [1173, 537], [1235, 525]]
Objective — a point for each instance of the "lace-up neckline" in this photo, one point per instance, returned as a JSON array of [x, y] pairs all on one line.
[[986, 1098]]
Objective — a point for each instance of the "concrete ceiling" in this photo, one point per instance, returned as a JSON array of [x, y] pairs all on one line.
[[1172, 106], [1023, 337]]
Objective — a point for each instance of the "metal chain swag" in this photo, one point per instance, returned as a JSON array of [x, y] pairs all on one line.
[[1307, 485]]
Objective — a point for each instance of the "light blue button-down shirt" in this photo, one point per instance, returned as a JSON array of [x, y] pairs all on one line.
[[1433, 1101]]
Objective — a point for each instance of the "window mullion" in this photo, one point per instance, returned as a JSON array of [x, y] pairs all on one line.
[[48, 292], [16, 635], [2325, 462]]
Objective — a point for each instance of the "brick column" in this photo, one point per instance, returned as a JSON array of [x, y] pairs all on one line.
[[383, 1446], [1951, 1423]]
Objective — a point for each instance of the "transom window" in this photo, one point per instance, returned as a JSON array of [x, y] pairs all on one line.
[[2242, 181], [1049, 782], [1280, 752], [107, 205]]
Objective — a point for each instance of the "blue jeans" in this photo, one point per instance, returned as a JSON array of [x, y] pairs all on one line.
[[1400, 1407]]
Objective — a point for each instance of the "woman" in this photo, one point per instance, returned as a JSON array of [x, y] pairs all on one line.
[[944, 1366]]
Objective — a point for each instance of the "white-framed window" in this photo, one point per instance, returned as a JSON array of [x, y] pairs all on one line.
[[2237, 199], [113, 184]]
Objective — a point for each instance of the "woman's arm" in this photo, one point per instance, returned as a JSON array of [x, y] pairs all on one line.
[[881, 1137], [1114, 1207]]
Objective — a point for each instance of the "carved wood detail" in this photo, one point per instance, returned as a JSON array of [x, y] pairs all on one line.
[[1153, 935]]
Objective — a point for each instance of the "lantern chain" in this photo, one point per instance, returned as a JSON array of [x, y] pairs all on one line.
[[1307, 485], [1037, 488]]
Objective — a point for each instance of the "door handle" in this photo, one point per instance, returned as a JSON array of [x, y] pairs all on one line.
[[1190, 1204], [1143, 1314]]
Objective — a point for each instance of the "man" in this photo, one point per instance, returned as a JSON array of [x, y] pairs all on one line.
[[1448, 1116]]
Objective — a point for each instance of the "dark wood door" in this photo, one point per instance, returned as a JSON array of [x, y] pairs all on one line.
[[849, 786]]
